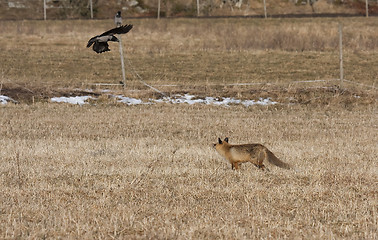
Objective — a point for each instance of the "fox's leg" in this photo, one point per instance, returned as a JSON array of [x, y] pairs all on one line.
[[235, 166], [260, 160], [262, 167]]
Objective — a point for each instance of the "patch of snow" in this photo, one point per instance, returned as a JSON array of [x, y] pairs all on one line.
[[128, 100], [16, 5], [80, 100], [261, 101], [133, 3], [5, 99], [176, 99], [187, 98], [140, 10], [190, 99], [226, 101], [83, 90]]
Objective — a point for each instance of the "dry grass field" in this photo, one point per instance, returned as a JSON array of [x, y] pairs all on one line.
[[151, 172], [45, 59], [106, 170]]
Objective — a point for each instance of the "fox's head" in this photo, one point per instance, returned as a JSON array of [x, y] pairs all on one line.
[[220, 142], [222, 146]]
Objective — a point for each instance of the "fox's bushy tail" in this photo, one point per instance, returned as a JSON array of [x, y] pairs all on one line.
[[274, 160]]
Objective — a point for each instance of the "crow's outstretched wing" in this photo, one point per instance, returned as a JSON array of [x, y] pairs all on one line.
[[118, 30]]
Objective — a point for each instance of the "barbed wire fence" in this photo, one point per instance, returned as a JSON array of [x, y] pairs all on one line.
[[99, 9]]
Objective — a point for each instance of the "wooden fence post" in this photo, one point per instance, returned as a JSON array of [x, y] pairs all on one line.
[[341, 53], [198, 10], [367, 7], [91, 7], [158, 13], [265, 9], [44, 9], [118, 23]]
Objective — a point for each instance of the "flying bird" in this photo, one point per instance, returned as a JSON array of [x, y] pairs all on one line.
[[100, 42]]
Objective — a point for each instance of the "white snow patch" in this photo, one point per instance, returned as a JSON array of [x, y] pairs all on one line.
[[80, 100], [133, 3], [16, 5], [5, 99], [176, 99], [128, 100], [261, 101], [191, 99]]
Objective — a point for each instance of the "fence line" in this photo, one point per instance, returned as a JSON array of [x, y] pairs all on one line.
[[341, 53], [140, 79], [251, 84], [135, 73], [271, 83], [88, 8]]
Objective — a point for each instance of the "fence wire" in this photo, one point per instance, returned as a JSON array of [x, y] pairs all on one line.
[[81, 9]]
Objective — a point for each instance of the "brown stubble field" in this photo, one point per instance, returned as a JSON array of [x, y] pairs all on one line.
[[107, 170]]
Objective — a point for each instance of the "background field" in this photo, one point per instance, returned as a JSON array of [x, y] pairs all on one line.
[[44, 59], [107, 170]]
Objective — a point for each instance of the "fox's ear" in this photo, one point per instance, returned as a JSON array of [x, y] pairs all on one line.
[[226, 139], [219, 141]]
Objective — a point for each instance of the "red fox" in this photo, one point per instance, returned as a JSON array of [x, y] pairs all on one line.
[[254, 153]]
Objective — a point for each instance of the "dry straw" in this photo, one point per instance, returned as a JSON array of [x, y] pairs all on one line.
[[151, 172]]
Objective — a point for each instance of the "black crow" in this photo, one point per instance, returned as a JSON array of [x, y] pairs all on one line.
[[100, 42]]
